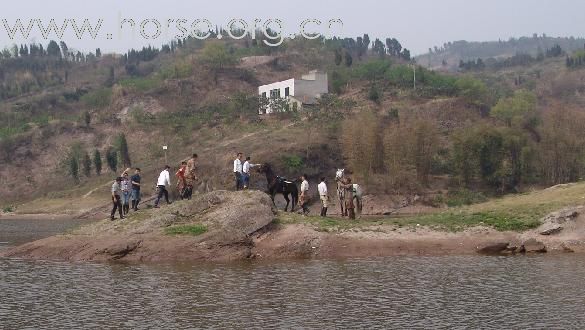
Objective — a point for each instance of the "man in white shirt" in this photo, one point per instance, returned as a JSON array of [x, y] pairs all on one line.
[[322, 187], [238, 171], [304, 198], [246, 172], [164, 180]]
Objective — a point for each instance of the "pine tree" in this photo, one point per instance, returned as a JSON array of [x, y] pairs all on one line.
[[112, 159], [348, 59], [338, 57], [123, 149], [74, 168], [86, 165], [97, 162]]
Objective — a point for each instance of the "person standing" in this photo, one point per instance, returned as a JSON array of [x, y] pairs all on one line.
[[191, 175], [192, 166], [238, 169], [304, 198], [116, 199], [181, 178], [322, 187], [246, 172], [349, 206], [164, 180], [126, 187], [135, 181]]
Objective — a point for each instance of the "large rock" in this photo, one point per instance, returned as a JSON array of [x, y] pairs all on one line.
[[493, 248], [229, 217], [533, 246]]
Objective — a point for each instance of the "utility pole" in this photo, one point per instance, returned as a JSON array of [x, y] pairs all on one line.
[[414, 75], [165, 148]]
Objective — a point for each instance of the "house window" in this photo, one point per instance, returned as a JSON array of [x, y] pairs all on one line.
[[287, 92], [275, 93], [264, 95]]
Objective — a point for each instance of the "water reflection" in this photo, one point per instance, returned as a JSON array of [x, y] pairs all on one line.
[[414, 292]]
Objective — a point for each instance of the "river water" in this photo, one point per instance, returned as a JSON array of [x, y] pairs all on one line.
[[401, 292]]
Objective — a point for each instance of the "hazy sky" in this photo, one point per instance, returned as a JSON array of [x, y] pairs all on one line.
[[418, 25]]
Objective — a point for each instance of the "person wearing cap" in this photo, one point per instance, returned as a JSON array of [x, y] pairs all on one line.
[[116, 200], [164, 180]]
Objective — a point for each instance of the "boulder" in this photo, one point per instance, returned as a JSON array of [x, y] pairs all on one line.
[[493, 248], [551, 230], [533, 246]]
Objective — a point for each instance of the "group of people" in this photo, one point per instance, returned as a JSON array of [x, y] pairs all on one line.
[[242, 171], [126, 190]]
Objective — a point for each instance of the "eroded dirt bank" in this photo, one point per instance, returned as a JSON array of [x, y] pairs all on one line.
[[229, 226]]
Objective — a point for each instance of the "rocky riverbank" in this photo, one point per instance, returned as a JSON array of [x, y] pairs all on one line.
[[228, 226]]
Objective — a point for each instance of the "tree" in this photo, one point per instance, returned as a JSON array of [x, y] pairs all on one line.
[[112, 159], [86, 118], [74, 167], [111, 78], [86, 165], [123, 149], [53, 49], [348, 59], [362, 144], [97, 162], [216, 56], [338, 56], [473, 91], [513, 110], [64, 49]]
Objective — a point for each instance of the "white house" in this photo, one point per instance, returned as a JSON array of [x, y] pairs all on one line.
[[300, 91]]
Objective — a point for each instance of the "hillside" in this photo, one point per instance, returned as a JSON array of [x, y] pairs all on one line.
[[450, 54], [455, 139]]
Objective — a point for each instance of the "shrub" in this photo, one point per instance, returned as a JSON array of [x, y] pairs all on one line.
[[100, 98], [293, 162]]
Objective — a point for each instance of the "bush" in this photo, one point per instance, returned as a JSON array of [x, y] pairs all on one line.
[[100, 98], [8, 209], [293, 162], [464, 197], [374, 94]]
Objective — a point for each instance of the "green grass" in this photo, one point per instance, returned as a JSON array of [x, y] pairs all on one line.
[[141, 84], [100, 98], [191, 230], [511, 213]]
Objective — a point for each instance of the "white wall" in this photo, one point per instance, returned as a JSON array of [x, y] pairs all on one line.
[[313, 85], [281, 85]]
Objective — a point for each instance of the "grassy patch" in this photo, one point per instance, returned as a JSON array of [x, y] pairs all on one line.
[[512, 213], [141, 84], [191, 230], [100, 98]]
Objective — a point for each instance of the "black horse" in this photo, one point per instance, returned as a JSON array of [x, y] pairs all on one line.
[[278, 185]]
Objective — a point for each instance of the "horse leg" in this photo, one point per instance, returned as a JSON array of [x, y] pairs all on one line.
[[272, 197], [287, 202]]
